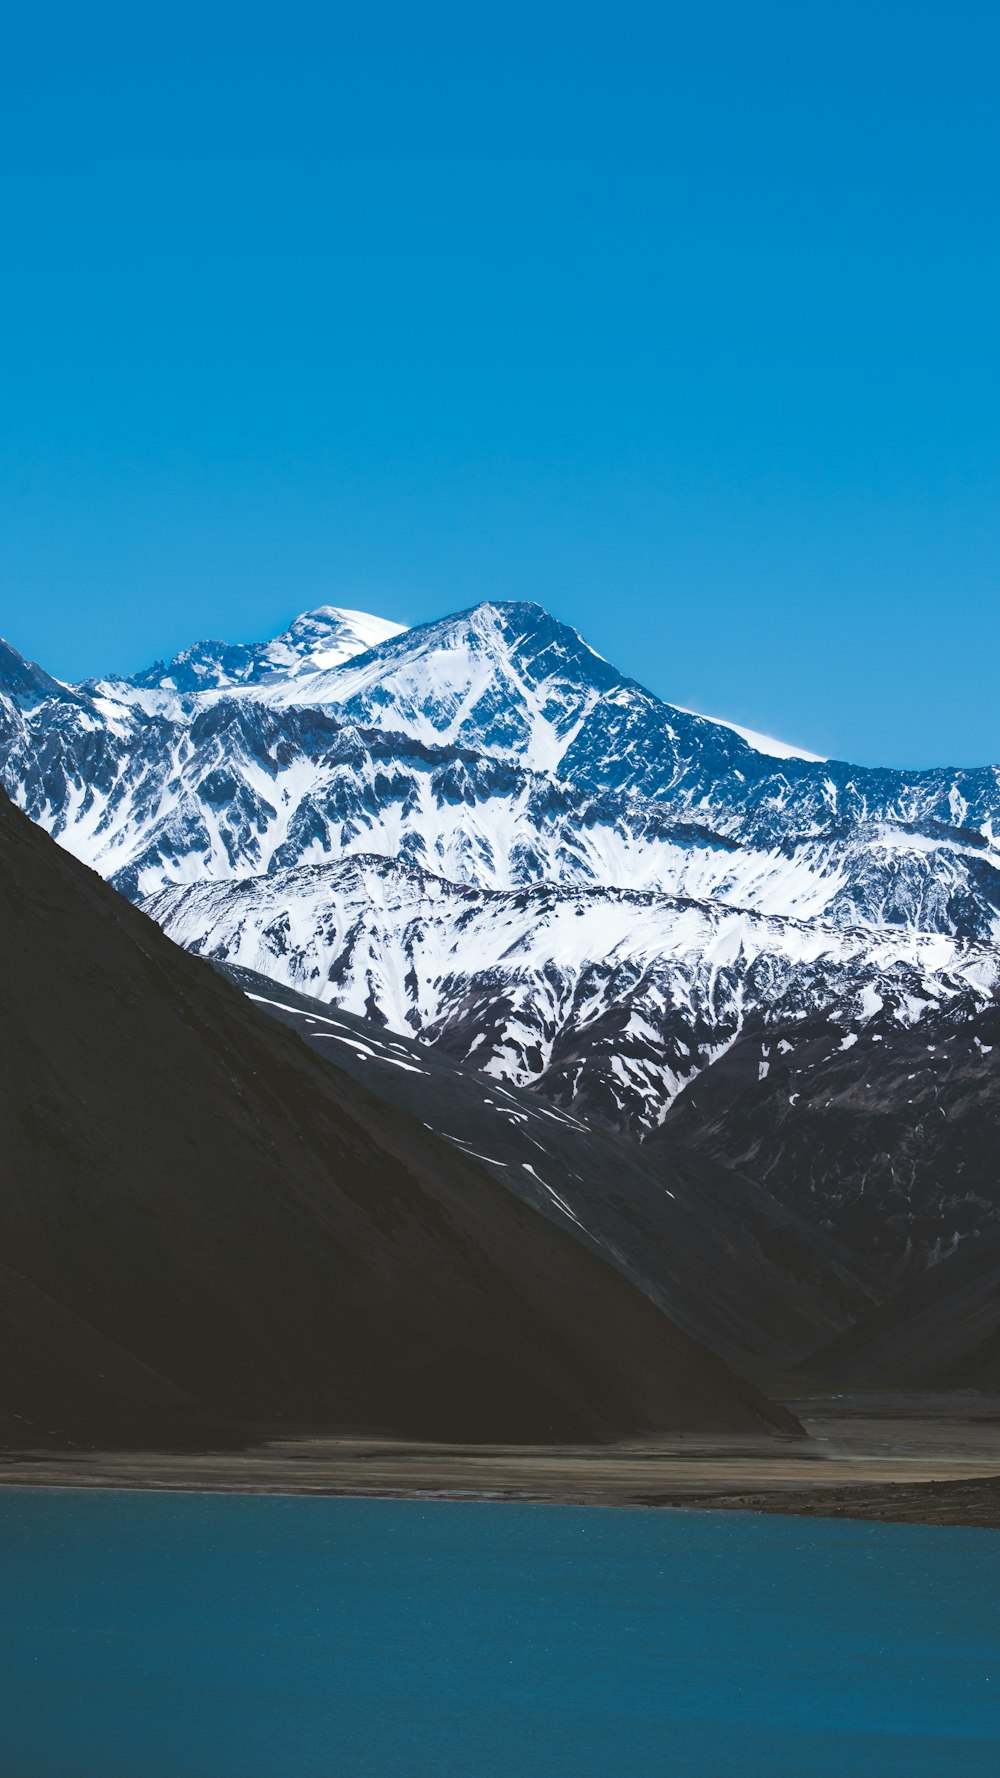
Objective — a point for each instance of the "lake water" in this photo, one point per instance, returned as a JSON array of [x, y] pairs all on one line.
[[186, 1636]]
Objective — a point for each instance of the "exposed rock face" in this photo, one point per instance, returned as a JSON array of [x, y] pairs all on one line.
[[888, 1137]]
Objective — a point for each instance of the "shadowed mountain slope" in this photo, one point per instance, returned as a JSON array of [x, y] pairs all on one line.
[[889, 1138], [720, 1256], [195, 1209], [940, 1330]]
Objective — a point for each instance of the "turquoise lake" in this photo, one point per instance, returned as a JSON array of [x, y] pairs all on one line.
[[210, 1636]]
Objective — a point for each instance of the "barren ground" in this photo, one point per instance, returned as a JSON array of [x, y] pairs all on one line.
[[923, 1459]]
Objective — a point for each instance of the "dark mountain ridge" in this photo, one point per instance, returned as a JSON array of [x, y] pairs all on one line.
[[196, 1210], [720, 1256], [880, 1221]]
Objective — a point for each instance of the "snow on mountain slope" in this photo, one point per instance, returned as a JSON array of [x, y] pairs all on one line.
[[23, 684], [315, 642], [508, 678], [238, 789], [504, 679], [607, 1001], [429, 746], [496, 750], [760, 743]]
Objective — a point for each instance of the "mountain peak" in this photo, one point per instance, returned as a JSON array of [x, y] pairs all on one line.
[[314, 642], [501, 676], [24, 681], [343, 619]]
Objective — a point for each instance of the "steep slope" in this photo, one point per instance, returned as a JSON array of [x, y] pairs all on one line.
[[606, 1001], [723, 1259], [194, 1207], [25, 685], [938, 1331], [887, 1135], [233, 789]]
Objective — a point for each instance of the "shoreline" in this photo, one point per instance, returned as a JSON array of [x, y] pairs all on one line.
[[892, 1459], [971, 1505]]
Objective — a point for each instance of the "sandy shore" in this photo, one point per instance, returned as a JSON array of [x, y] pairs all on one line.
[[919, 1458]]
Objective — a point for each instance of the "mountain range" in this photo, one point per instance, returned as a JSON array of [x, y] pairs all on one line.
[[204, 1225], [479, 834]]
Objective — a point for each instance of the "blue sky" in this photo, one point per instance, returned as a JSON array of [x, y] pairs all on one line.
[[681, 320]]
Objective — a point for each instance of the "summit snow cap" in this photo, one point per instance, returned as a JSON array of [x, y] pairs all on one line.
[[317, 640]]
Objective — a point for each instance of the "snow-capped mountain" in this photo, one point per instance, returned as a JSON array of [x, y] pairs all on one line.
[[495, 766], [315, 642], [509, 680], [494, 748], [608, 1001]]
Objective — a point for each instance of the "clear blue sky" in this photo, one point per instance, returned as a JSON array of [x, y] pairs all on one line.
[[682, 320]]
